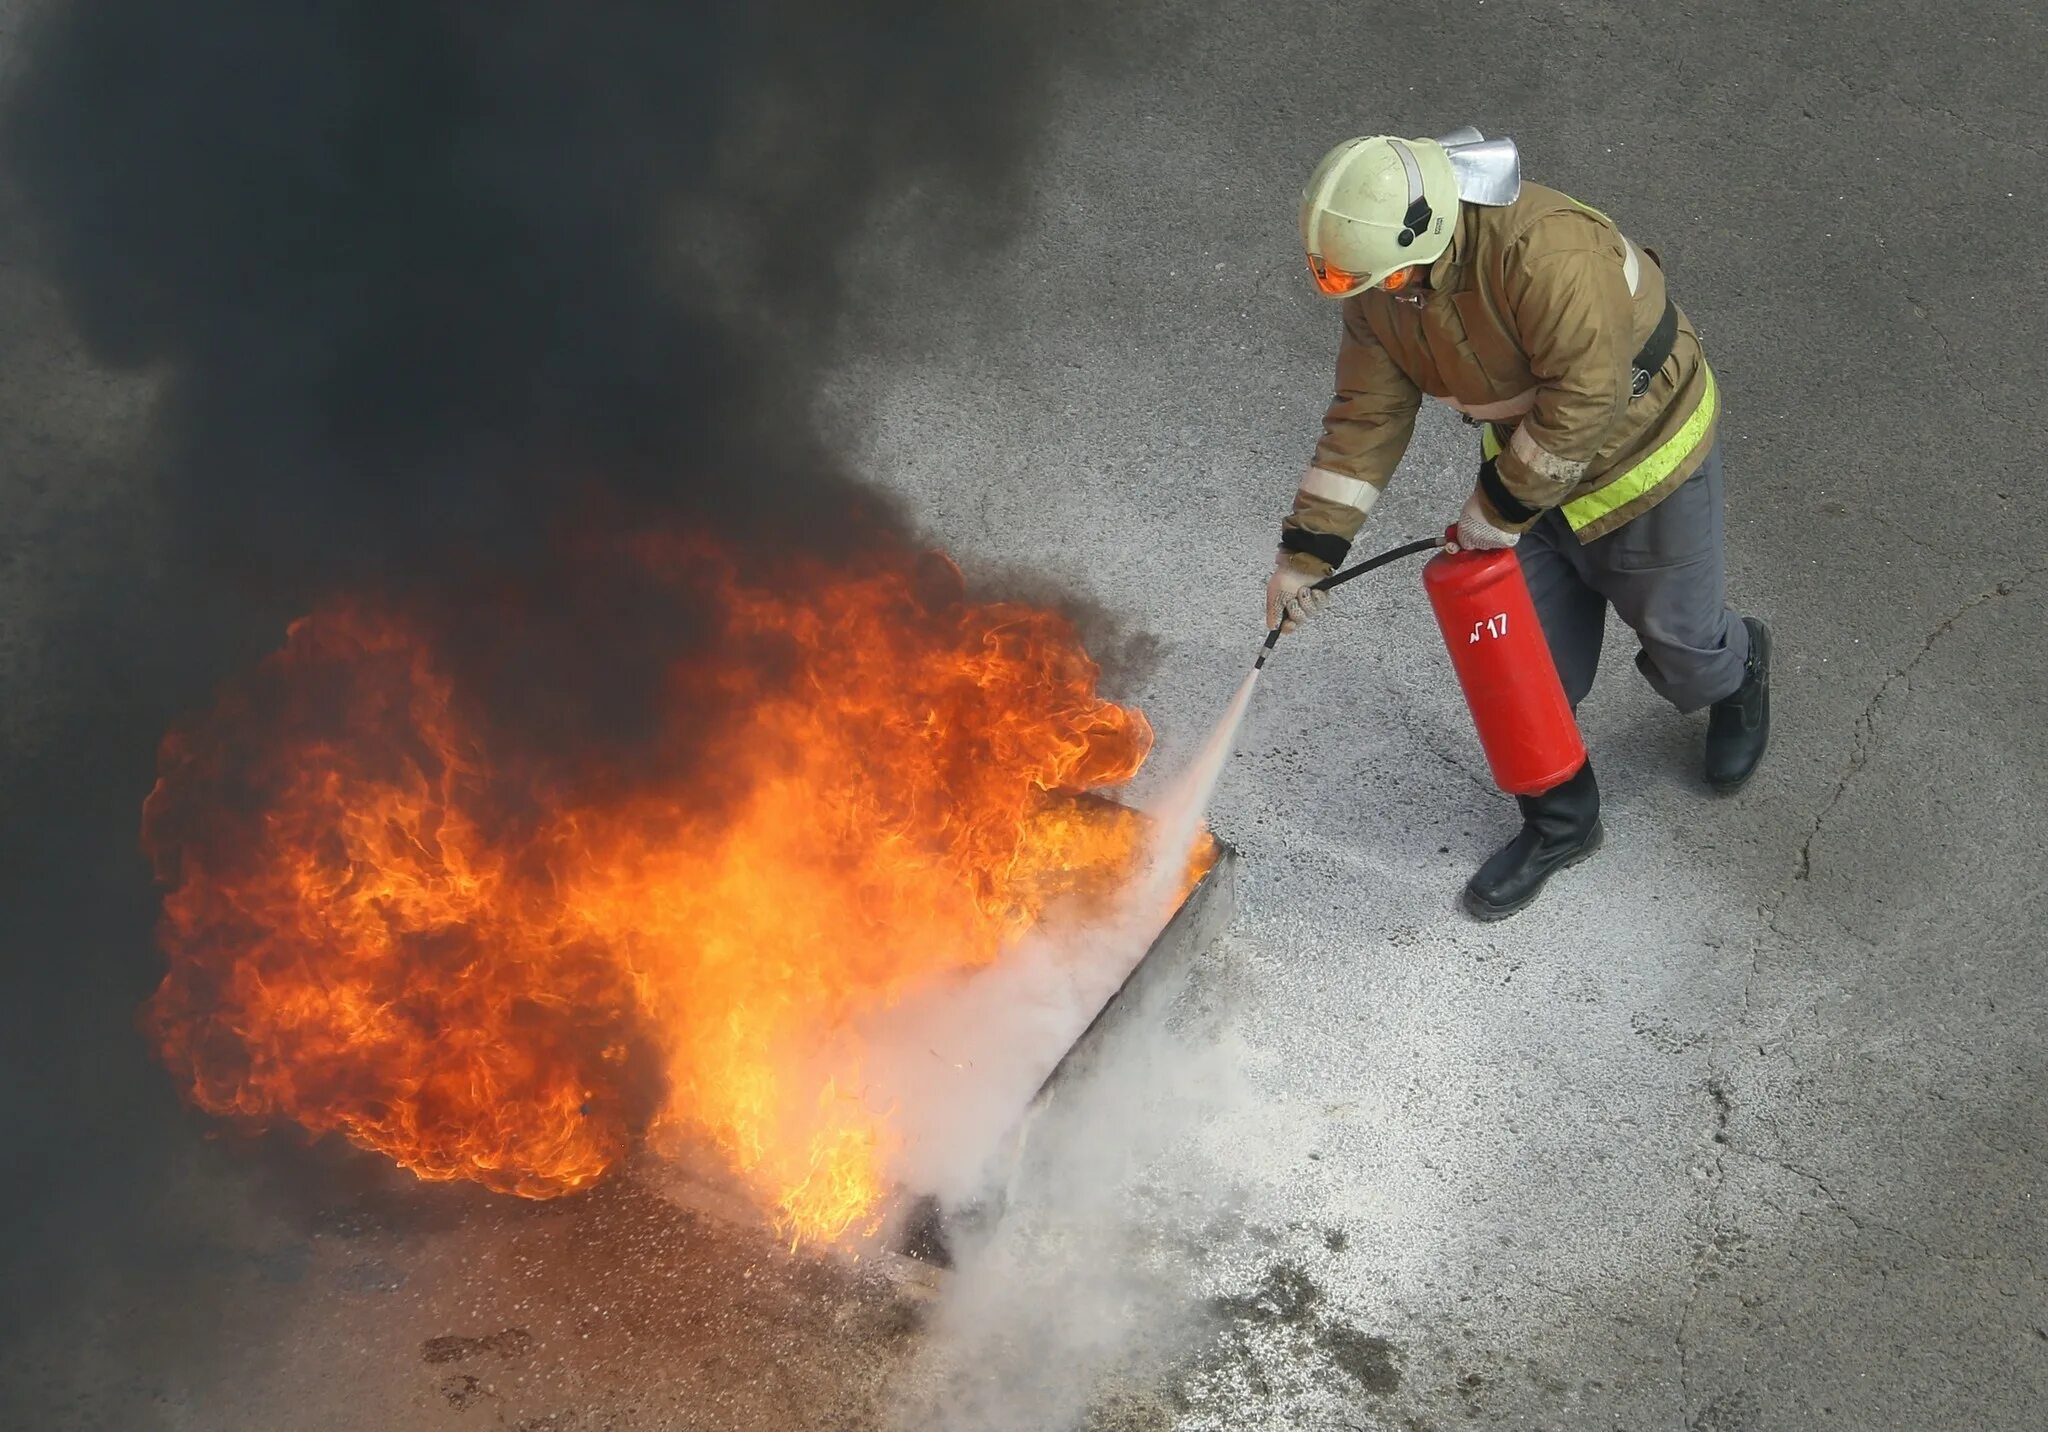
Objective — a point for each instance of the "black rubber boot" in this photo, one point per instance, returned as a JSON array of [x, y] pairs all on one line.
[[1740, 726], [1560, 827]]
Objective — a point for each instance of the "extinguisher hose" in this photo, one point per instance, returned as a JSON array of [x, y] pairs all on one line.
[[1338, 579]]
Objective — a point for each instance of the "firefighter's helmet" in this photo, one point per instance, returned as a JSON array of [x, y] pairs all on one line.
[[1373, 206]]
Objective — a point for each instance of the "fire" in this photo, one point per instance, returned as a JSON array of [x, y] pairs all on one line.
[[385, 920]]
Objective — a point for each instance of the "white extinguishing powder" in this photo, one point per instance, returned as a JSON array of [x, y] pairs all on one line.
[[1085, 1285], [950, 1069], [1179, 813]]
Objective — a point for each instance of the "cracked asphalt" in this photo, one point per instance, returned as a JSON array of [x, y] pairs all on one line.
[[1741, 1129]]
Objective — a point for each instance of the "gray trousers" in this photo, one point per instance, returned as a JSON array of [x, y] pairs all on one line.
[[1665, 574]]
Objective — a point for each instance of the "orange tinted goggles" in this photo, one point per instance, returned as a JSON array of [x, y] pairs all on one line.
[[1333, 281]]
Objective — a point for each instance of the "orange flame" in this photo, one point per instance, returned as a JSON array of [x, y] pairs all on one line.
[[373, 929]]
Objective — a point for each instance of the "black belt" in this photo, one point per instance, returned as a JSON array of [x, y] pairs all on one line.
[[1654, 353]]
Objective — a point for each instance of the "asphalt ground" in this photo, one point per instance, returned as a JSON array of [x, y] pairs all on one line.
[[1740, 1128]]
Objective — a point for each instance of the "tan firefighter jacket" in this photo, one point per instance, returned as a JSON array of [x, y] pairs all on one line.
[[1529, 325]]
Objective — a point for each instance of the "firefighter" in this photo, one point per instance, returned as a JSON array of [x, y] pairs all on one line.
[[1542, 324]]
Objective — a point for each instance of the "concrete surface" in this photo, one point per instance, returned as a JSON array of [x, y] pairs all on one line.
[[1740, 1130]]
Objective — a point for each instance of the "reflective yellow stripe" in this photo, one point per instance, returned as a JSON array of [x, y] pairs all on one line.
[[1489, 442], [1652, 470]]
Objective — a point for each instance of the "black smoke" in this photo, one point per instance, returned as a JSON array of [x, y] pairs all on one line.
[[421, 273], [427, 293]]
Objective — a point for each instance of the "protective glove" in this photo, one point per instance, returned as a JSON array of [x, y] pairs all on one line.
[[1291, 597], [1476, 532]]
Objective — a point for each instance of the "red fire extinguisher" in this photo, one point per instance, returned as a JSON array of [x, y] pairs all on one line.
[[1503, 663], [1502, 659]]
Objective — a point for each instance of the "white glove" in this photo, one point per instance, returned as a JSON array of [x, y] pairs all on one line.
[[1476, 533], [1291, 597]]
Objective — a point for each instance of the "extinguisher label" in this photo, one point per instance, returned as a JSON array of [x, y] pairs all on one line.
[[1493, 628]]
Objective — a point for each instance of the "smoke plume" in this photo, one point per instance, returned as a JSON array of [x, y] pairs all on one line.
[[424, 275]]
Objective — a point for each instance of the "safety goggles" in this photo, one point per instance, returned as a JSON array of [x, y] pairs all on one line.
[[1333, 281], [1337, 283]]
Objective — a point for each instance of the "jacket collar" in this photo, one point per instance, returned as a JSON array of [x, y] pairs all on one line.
[[1445, 273]]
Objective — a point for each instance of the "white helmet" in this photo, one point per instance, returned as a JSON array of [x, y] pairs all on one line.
[[1379, 204]]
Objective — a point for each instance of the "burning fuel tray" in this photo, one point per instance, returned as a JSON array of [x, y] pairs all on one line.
[[928, 1231], [1202, 916]]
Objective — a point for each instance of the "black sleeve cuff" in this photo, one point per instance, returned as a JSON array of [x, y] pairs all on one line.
[[1510, 507], [1325, 545]]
